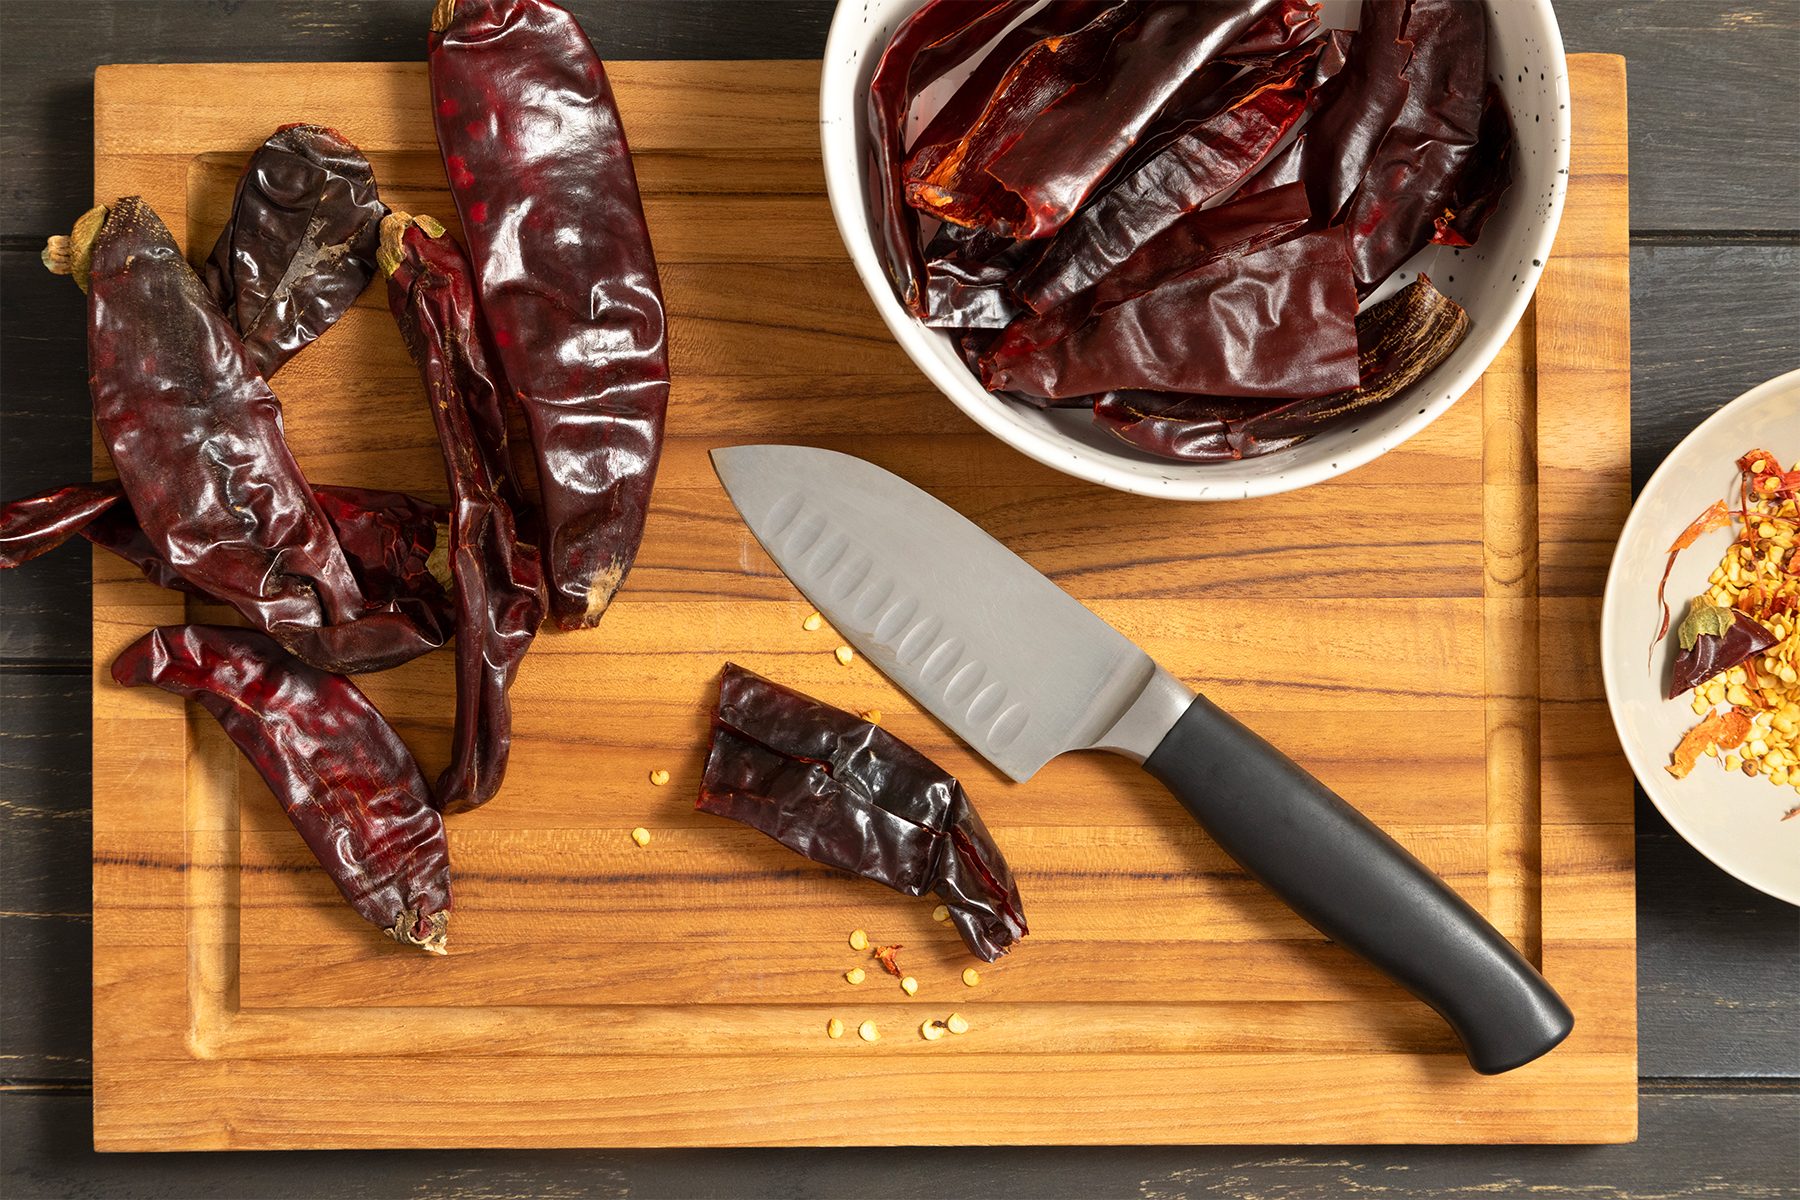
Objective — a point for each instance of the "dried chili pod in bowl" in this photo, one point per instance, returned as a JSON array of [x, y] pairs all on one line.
[[543, 181], [338, 769], [299, 247], [840, 791], [1713, 640]]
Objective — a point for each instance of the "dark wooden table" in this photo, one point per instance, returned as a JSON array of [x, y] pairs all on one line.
[[1715, 198]]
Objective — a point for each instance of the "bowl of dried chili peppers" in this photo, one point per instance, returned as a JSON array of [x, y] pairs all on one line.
[[1700, 638], [1202, 251]]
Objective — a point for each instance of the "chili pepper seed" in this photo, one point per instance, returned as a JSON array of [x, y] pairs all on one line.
[[845, 655], [957, 1023], [812, 623], [931, 1031], [872, 716], [641, 836], [940, 913], [971, 976], [910, 986], [867, 1032], [859, 940], [834, 1028], [658, 778], [855, 975]]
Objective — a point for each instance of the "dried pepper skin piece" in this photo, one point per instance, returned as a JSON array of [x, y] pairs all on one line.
[[338, 769], [299, 247], [1412, 176], [1398, 341], [499, 580], [1483, 181], [1726, 730], [1357, 109], [543, 181], [966, 278], [931, 42], [1278, 323], [195, 435], [843, 792], [34, 525], [1205, 158], [1713, 640]]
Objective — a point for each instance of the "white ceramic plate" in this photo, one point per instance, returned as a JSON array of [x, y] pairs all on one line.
[[1729, 817], [1492, 280]]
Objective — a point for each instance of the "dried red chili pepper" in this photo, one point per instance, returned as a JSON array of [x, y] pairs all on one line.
[[966, 278], [848, 794], [1413, 173], [1068, 110], [1357, 109], [300, 245], [1712, 641], [1277, 323], [1723, 730], [34, 525], [931, 41], [342, 774], [1483, 180], [1203, 159], [542, 179], [195, 435], [1717, 516], [499, 581], [1398, 341]]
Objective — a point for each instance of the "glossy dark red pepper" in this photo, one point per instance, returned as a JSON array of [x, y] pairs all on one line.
[[342, 774], [1356, 109], [542, 178], [195, 435], [848, 794], [1277, 323], [1703, 653], [1484, 179], [300, 245], [499, 581]]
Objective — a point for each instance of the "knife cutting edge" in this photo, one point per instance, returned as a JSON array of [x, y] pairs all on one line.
[[1022, 672]]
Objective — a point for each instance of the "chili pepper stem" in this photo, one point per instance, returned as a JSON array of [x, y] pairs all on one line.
[[441, 15], [436, 931], [74, 255]]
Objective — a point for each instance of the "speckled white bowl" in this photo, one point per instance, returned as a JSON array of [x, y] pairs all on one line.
[[1729, 817], [1493, 280]]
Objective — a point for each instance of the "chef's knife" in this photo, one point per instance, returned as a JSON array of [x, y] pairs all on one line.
[[1022, 672]]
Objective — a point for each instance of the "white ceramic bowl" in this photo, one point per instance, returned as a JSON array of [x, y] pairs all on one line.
[[1729, 817], [1493, 280]]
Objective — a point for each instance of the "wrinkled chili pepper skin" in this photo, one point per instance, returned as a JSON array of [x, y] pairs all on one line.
[[34, 525], [1277, 323], [1413, 173], [300, 245], [1484, 180], [342, 774], [542, 178], [1207, 157], [1357, 109], [499, 588], [846, 793], [1714, 654]]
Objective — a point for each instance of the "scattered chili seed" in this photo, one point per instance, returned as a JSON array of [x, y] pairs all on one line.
[[910, 986], [872, 716], [957, 1023], [855, 975], [641, 836], [971, 976], [867, 1032], [658, 778], [845, 655], [931, 1031], [834, 1028], [940, 913], [812, 622], [859, 940]]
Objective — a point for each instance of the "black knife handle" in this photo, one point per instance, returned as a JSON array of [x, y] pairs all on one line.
[[1359, 887]]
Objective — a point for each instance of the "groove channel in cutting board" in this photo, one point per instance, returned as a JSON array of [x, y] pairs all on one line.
[[1431, 656]]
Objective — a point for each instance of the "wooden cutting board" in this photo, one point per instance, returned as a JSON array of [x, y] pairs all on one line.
[[1420, 633]]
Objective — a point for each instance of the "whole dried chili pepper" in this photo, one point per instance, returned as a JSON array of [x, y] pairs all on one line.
[[1356, 109], [1484, 179], [499, 579], [1071, 108], [848, 794], [342, 774], [1277, 323], [34, 525], [1713, 640], [195, 434], [932, 41], [1398, 341], [1413, 173], [300, 245], [966, 274], [542, 178], [1204, 159]]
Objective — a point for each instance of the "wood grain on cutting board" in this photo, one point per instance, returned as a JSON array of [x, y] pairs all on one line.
[[1435, 661]]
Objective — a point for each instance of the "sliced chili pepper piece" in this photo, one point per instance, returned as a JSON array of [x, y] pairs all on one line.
[[195, 435], [1725, 730], [338, 769], [499, 582], [34, 525], [1713, 640], [1202, 160], [1277, 323], [1357, 109], [1412, 176], [843, 792], [1484, 178], [930, 43], [542, 178], [300, 245], [1717, 516]]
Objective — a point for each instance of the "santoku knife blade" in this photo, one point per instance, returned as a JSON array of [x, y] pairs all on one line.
[[1022, 672]]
